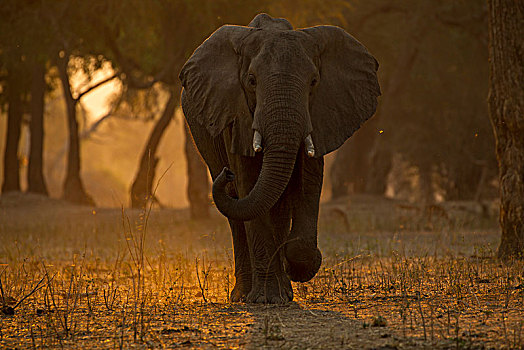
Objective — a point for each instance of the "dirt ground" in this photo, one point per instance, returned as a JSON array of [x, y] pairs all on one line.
[[395, 276]]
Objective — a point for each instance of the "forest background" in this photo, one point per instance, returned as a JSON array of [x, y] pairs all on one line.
[[103, 75]]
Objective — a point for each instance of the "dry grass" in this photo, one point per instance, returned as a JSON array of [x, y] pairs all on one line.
[[75, 278]]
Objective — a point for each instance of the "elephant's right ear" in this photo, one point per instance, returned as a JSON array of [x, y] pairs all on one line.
[[213, 93], [346, 95]]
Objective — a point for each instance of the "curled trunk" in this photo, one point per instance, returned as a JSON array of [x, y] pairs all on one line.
[[276, 171], [280, 118], [282, 140]]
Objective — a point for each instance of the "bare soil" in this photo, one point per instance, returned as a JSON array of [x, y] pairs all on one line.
[[395, 276]]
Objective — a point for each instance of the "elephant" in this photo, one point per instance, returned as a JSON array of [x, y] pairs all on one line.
[[264, 104]]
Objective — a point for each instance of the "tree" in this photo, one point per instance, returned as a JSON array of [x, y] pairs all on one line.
[[76, 42], [506, 110], [140, 42], [198, 183], [15, 43], [14, 123], [35, 176], [73, 189], [142, 187], [38, 51], [73, 186]]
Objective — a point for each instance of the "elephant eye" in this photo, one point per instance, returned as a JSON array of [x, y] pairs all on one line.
[[314, 82], [251, 80]]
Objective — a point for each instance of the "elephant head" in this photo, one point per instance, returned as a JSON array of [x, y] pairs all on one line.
[[276, 89]]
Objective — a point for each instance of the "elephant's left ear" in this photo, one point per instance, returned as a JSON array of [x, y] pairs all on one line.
[[347, 92], [213, 95]]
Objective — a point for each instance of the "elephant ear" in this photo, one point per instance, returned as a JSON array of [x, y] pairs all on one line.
[[347, 92], [213, 94]]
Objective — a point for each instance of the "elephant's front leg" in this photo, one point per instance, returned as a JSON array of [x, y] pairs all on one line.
[[243, 275], [302, 256], [241, 251], [265, 237]]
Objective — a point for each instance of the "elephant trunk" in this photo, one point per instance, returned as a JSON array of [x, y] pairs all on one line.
[[277, 168], [282, 131]]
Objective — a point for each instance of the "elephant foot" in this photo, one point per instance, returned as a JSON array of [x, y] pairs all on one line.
[[302, 260], [240, 291], [274, 291]]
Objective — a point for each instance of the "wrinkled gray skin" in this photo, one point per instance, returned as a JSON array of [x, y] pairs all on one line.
[[286, 84]]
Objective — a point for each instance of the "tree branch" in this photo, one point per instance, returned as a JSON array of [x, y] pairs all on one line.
[[91, 88], [129, 66], [87, 133]]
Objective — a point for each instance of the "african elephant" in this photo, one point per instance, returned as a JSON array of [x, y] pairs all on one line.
[[268, 102]]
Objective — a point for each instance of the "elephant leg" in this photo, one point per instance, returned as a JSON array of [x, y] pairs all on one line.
[[302, 256], [270, 282], [265, 235], [213, 151], [243, 275]]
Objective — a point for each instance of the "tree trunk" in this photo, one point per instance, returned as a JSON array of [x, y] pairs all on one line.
[[506, 109], [362, 163], [351, 165], [73, 189], [463, 184], [338, 173], [35, 178], [14, 120], [380, 162], [142, 188], [425, 184], [197, 180]]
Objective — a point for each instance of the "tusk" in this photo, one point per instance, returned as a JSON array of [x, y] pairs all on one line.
[[257, 142], [310, 148]]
